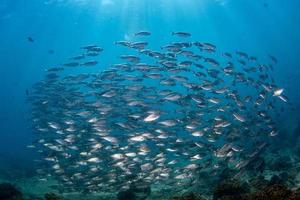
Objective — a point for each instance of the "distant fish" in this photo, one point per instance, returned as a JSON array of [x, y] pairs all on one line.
[[283, 98], [273, 59], [130, 58], [95, 49], [139, 45], [55, 69], [79, 57], [239, 117], [71, 64], [182, 34], [90, 63], [242, 54], [51, 51], [273, 133], [227, 55], [30, 39], [92, 54], [142, 33], [89, 47]]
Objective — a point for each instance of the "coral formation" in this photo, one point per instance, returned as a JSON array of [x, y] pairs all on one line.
[[259, 182], [137, 191], [126, 195], [230, 190], [52, 196], [274, 192], [270, 192], [191, 196]]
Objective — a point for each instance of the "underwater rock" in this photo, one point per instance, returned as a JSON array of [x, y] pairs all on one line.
[[274, 192], [275, 180], [259, 182], [233, 190], [280, 179], [271, 192], [126, 195], [137, 191], [9, 192], [191, 196], [52, 196]]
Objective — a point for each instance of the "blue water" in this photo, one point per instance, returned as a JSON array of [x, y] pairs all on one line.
[[65, 25]]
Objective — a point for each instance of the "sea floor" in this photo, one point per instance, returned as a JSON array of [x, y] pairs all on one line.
[[281, 167]]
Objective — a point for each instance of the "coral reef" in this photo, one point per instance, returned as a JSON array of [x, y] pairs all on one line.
[[9, 192], [137, 191], [259, 182], [230, 190], [191, 196], [274, 192], [269, 191], [52, 196], [279, 179], [126, 195]]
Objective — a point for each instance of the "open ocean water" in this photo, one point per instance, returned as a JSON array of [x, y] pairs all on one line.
[[140, 99]]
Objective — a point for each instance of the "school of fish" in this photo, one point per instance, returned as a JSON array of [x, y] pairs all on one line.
[[162, 116]]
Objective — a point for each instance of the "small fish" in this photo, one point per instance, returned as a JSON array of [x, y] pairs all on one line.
[[212, 61], [51, 51], [138, 138], [152, 116], [273, 59], [94, 160], [168, 123], [283, 98], [92, 54], [71, 64], [278, 92], [79, 57], [30, 39], [89, 47], [227, 54], [142, 33], [242, 54], [182, 34], [55, 69], [90, 63], [273, 133], [197, 133], [239, 117], [130, 58], [139, 45]]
